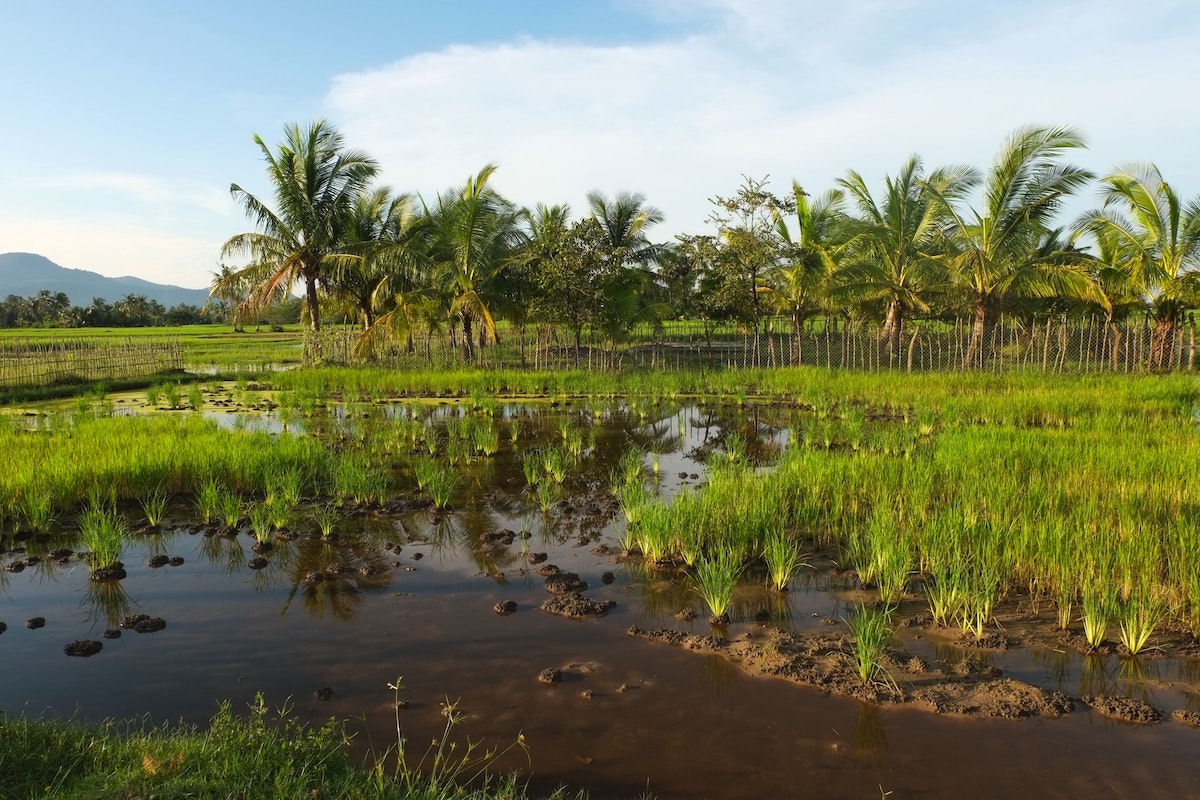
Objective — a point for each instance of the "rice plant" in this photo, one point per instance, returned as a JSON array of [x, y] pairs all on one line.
[[714, 579], [531, 466], [230, 505], [196, 397], [1138, 617], [208, 500], [325, 516], [260, 522], [172, 395], [154, 506], [442, 485], [547, 494], [872, 632], [1098, 601], [102, 531], [783, 557]]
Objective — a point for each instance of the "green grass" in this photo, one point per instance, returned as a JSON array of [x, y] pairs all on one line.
[[267, 755]]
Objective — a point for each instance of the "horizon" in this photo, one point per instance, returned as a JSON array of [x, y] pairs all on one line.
[[134, 121]]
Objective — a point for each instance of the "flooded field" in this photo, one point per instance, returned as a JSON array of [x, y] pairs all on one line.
[[448, 602]]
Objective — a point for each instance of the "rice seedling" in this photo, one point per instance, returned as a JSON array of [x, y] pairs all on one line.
[[208, 500], [196, 397], [1098, 601], [37, 508], [458, 451], [280, 514], [442, 485], [486, 439], [260, 522], [714, 579], [153, 395], [154, 506], [286, 484], [531, 466], [554, 464], [172, 395], [423, 470], [102, 531], [1139, 615], [783, 557], [326, 517], [231, 508], [630, 466], [546, 495], [872, 632]]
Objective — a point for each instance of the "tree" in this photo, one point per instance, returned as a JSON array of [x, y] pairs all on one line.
[[228, 290], [998, 252], [1149, 244], [799, 283], [897, 240], [316, 181], [475, 230], [383, 237], [750, 247]]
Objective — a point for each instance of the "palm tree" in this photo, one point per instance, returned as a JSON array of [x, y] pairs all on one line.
[[999, 251], [475, 232], [624, 220], [316, 181], [798, 285], [893, 258], [1154, 247], [383, 240], [229, 288]]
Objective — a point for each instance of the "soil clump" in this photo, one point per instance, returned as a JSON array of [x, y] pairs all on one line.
[[576, 606]]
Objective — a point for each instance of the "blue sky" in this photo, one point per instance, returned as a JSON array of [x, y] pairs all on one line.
[[126, 122]]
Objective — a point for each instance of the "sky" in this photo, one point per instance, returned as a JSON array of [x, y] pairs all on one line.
[[125, 123]]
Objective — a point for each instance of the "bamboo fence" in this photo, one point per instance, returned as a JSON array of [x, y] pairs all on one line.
[[1048, 344], [33, 363]]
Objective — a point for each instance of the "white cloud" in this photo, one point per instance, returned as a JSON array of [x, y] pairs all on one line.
[[801, 91]]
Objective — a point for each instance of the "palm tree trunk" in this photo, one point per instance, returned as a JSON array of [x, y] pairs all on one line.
[[1162, 341], [798, 338], [468, 344], [892, 328], [310, 297], [979, 332]]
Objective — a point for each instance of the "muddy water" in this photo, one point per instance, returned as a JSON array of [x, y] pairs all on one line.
[[629, 716]]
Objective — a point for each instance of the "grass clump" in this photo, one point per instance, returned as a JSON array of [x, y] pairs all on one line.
[[268, 755], [102, 531], [715, 577]]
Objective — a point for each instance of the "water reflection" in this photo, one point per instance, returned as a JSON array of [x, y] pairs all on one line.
[[105, 603], [870, 736]]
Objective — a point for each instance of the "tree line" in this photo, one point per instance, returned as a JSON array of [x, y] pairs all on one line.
[[46, 309], [951, 242]]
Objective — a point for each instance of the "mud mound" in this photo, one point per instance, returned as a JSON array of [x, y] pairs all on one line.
[[1126, 709], [565, 583], [577, 606]]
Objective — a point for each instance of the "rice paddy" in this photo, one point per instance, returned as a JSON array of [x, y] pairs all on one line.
[[961, 517]]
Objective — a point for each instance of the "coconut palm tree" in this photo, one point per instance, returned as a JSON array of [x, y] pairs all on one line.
[[624, 220], [316, 181], [1149, 244], [798, 284], [893, 259], [475, 231], [383, 245], [998, 250]]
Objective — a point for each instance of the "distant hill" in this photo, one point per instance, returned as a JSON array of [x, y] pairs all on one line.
[[26, 274]]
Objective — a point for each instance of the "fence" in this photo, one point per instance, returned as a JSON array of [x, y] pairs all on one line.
[[1053, 344], [30, 363]]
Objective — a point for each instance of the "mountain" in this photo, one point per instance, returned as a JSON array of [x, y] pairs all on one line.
[[26, 274]]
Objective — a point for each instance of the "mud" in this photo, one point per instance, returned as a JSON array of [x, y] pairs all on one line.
[[83, 648], [143, 623], [565, 583], [576, 606], [1125, 709], [826, 661]]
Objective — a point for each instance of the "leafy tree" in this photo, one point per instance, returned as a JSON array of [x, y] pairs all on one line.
[[316, 181]]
